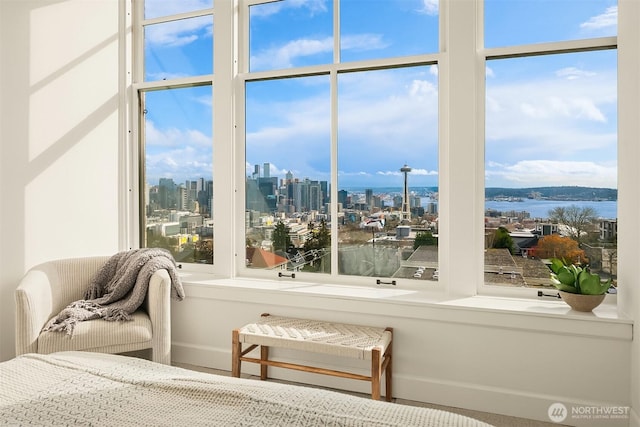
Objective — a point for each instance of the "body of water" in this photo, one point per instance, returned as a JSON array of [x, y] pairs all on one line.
[[537, 208], [540, 208]]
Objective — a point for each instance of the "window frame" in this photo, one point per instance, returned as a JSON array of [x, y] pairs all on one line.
[[519, 51], [139, 87], [333, 70], [461, 136]]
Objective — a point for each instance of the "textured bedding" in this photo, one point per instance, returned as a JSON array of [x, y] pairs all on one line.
[[96, 389]]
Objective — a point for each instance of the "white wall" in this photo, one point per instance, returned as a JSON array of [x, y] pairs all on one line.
[[59, 137], [60, 144]]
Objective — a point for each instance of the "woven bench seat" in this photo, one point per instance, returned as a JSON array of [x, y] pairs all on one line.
[[336, 339]]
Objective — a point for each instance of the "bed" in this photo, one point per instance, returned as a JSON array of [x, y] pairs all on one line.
[[83, 388]]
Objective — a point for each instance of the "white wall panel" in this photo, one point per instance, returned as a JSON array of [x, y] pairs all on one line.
[[503, 362], [59, 138]]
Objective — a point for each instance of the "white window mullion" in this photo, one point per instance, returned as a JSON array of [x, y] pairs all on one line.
[[460, 170], [223, 137]]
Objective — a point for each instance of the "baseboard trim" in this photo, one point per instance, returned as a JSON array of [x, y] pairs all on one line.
[[456, 394]]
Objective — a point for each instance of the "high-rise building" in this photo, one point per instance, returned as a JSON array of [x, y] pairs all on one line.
[[368, 197], [183, 198], [342, 198], [167, 193]]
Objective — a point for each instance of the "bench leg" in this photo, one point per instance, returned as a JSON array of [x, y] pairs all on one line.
[[376, 373], [388, 372], [264, 355], [236, 351]]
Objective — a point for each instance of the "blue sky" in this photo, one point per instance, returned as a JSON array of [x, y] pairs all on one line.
[[549, 120]]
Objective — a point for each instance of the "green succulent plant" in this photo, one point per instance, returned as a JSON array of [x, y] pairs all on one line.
[[576, 280]]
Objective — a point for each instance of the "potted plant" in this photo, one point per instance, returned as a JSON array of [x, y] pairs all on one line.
[[579, 288]]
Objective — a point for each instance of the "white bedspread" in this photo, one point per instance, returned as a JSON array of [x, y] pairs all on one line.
[[78, 388]]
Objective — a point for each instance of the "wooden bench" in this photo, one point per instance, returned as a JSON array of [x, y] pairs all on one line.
[[337, 339]]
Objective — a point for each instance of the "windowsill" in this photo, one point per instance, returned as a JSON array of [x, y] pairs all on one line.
[[491, 311]]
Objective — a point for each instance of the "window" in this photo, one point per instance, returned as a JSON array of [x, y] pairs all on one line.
[[388, 173], [550, 140], [336, 146], [319, 120], [176, 130], [288, 174]]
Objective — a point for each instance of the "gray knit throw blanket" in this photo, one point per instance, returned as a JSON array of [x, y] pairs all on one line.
[[119, 288]]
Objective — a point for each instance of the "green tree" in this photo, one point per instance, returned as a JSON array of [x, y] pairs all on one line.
[[579, 221], [158, 241], [323, 235], [320, 237], [502, 239], [424, 238], [281, 239], [204, 251]]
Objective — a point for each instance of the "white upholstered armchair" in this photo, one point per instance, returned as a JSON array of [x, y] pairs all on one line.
[[49, 287]]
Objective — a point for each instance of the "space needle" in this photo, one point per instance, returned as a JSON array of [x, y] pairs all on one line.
[[406, 211]]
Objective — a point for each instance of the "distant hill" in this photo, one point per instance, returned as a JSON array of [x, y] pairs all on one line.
[[555, 193]]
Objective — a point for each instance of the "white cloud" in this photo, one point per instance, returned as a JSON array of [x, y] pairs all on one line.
[[180, 163], [306, 119], [383, 116], [572, 73], [389, 107], [423, 172], [422, 88], [205, 100], [554, 107], [173, 137], [605, 20], [176, 153], [312, 6], [581, 107], [354, 174], [389, 173], [179, 33], [286, 55], [361, 42], [552, 129], [414, 172], [548, 109], [429, 7], [532, 173]]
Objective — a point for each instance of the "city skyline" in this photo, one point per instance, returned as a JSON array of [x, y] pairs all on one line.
[[364, 187]]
